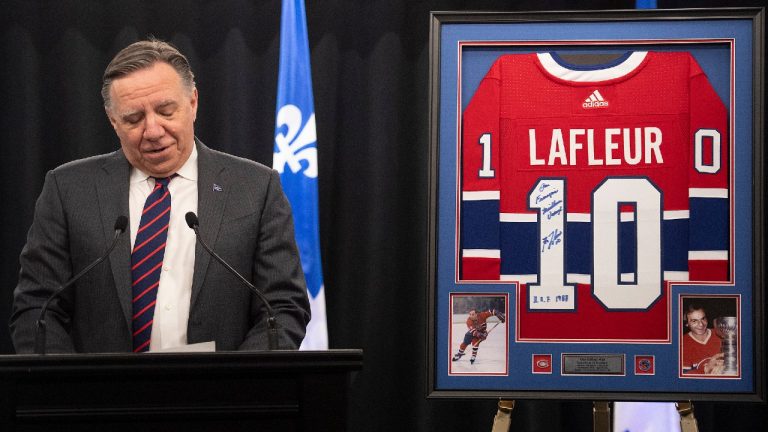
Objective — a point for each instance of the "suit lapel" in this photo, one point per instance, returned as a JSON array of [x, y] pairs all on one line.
[[112, 191], [212, 195]]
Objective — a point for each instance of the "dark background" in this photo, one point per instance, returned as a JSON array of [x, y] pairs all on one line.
[[370, 64]]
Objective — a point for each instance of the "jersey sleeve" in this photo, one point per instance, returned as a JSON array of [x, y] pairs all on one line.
[[709, 191], [485, 315], [480, 250]]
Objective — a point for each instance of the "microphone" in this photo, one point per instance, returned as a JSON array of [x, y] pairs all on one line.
[[121, 223], [194, 223]]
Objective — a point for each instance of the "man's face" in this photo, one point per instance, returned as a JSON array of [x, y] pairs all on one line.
[[697, 322], [153, 114], [473, 315]]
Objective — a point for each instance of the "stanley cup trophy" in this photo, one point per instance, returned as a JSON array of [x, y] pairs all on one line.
[[727, 328]]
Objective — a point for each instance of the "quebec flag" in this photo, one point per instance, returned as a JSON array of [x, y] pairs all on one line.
[[295, 158]]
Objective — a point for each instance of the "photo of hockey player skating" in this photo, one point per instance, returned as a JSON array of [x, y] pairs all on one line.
[[478, 335]]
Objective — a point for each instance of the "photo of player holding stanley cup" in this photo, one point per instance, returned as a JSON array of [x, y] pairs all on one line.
[[710, 336]]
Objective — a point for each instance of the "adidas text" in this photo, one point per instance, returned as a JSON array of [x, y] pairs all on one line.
[[595, 104]]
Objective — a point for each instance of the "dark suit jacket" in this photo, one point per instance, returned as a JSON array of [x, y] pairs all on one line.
[[245, 218]]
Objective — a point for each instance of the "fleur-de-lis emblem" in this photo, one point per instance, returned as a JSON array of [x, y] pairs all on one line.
[[293, 145]]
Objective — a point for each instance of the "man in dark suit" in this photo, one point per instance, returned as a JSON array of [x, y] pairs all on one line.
[[151, 101]]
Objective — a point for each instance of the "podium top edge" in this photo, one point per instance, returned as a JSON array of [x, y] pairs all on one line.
[[350, 359]]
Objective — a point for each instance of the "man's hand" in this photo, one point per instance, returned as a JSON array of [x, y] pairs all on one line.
[[714, 365]]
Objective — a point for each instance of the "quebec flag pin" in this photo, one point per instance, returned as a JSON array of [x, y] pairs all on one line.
[[217, 188]]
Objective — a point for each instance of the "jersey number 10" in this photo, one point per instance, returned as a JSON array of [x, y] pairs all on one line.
[[615, 290], [608, 284]]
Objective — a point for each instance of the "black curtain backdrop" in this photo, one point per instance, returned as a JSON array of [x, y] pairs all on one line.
[[370, 63]]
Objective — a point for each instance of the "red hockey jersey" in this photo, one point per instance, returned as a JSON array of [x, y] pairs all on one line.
[[696, 354], [592, 187]]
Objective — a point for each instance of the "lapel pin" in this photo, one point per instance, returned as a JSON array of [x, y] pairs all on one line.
[[217, 188]]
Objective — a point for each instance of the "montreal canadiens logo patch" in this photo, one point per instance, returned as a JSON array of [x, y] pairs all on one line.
[[542, 363]]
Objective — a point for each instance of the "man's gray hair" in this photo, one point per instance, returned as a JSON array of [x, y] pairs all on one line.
[[142, 55]]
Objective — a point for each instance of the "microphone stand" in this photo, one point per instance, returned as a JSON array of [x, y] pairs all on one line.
[[41, 327], [193, 223]]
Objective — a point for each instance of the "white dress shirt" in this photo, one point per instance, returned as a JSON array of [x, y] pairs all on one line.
[[169, 328]]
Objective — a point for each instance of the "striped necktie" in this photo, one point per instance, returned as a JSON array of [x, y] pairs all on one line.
[[147, 261]]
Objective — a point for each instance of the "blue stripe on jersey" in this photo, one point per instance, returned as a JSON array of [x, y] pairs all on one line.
[[628, 247], [519, 252], [674, 247], [578, 247], [480, 224], [517, 241], [709, 224]]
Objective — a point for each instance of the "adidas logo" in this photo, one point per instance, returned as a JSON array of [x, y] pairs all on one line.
[[595, 100]]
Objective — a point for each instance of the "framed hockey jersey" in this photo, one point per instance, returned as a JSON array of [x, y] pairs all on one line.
[[591, 187], [602, 187]]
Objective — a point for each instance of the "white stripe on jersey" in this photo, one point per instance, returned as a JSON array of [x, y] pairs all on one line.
[[707, 193], [620, 70], [481, 253], [676, 214], [585, 279], [522, 278], [676, 276], [578, 278], [480, 195], [533, 217], [518, 217], [715, 255], [585, 217], [578, 217], [627, 217]]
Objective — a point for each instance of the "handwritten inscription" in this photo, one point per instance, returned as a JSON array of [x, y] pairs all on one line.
[[562, 298], [551, 240], [551, 292], [549, 199]]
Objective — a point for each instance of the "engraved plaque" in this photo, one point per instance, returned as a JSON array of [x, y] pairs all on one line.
[[593, 364]]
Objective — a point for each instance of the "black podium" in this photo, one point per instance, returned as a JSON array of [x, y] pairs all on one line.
[[224, 391]]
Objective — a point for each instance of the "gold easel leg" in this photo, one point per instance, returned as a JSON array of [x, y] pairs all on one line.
[[601, 415], [687, 419], [503, 419]]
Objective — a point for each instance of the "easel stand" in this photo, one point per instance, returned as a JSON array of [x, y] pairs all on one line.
[[503, 419], [601, 415], [687, 420]]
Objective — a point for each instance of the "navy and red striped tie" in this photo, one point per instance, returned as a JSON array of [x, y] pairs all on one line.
[[147, 261]]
